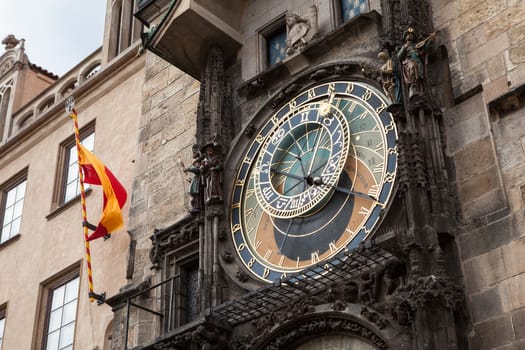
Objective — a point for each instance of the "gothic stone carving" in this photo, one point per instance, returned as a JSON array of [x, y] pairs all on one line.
[[168, 239], [422, 291], [214, 112], [320, 326], [300, 30], [10, 42]]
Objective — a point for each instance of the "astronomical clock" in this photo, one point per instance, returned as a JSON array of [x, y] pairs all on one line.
[[314, 180]]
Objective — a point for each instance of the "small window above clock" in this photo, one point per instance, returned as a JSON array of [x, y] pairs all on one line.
[[272, 44], [345, 10]]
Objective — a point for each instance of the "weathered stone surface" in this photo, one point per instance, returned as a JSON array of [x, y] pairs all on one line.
[[490, 203], [485, 270], [511, 155], [519, 345], [472, 40], [518, 320], [474, 275], [478, 185], [492, 333], [505, 20], [495, 89], [465, 130], [496, 66], [486, 51], [517, 34], [485, 305], [487, 238], [517, 54], [480, 13], [475, 158], [514, 254], [512, 293]]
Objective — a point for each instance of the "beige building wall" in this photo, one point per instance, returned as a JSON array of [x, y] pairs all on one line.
[[51, 240], [486, 137], [31, 83]]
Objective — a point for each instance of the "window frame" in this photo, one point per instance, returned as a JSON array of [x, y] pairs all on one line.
[[5, 188], [59, 195], [337, 11], [46, 298], [3, 316], [263, 34]]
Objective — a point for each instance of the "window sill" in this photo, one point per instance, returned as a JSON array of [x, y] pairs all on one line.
[[66, 205], [10, 240]]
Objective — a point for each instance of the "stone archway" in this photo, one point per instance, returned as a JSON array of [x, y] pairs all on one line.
[[325, 331], [335, 342]]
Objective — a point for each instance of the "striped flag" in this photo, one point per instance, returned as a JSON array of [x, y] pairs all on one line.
[[96, 173]]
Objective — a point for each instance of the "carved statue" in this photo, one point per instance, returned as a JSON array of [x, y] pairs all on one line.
[[393, 277], [390, 77], [211, 168], [10, 42], [196, 189], [300, 30], [411, 56], [367, 292], [209, 337]]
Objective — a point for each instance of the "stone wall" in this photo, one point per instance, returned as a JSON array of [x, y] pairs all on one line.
[[485, 42], [166, 134]]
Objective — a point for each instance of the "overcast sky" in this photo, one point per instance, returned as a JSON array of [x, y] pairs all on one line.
[[58, 33]]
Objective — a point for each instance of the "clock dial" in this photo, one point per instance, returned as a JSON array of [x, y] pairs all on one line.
[[308, 148], [315, 180]]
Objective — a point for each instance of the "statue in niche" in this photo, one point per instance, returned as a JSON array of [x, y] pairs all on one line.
[[390, 77], [211, 168], [196, 189], [412, 56], [367, 291], [10, 42], [393, 275], [299, 31]]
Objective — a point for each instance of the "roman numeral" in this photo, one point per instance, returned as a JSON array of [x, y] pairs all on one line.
[[314, 257], [364, 211]]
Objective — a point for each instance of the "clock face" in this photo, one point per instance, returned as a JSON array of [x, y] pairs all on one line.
[[314, 180]]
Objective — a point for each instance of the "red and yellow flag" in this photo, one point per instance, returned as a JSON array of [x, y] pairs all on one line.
[[96, 173]]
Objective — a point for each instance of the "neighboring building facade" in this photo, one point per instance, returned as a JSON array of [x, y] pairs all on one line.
[[44, 300], [289, 188]]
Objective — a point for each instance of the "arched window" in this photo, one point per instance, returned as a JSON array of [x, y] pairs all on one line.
[[4, 106], [91, 70], [44, 106], [125, 29], [25, 121], [68, 88]]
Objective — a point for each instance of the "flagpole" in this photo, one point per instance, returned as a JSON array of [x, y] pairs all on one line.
[[70, 103]]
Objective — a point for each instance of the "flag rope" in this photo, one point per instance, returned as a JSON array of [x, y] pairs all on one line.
[[92, 296]]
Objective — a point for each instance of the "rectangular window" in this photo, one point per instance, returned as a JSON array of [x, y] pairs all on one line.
[[72, 182], [272, 43], [190, 294], [61, 316], [2, 326], [68, 184], [352, 8], [11, 204], [276, 46]]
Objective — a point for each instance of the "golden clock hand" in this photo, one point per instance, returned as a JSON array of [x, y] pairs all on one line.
[[293, 176], [318, 181], [285, 235], [305, 179]]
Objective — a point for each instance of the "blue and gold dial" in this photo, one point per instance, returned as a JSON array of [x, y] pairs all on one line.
[[308, 148], [315, 180]]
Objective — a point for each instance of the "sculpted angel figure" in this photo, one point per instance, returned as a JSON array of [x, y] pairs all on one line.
[[300, 30]]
